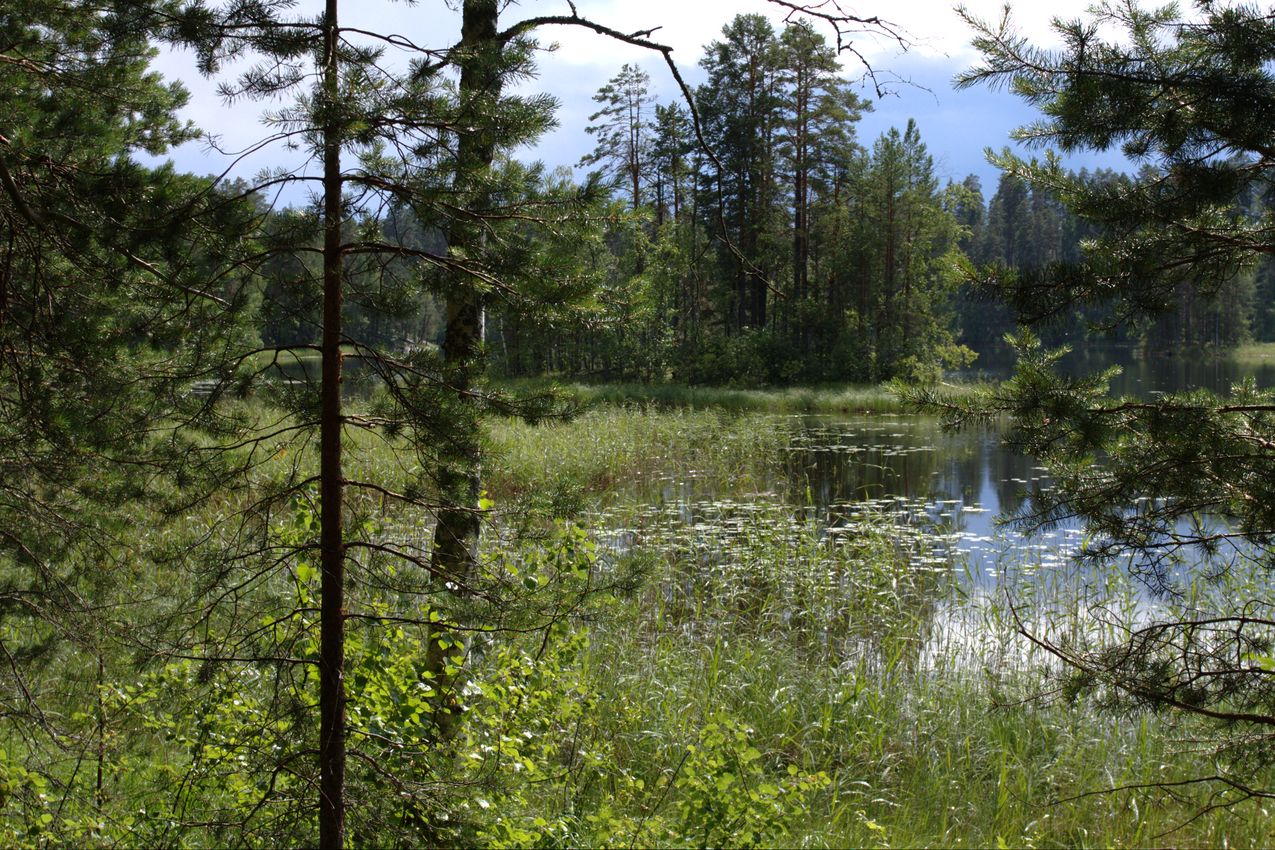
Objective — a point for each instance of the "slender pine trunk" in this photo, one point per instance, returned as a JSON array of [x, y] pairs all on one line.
[[331, 541]]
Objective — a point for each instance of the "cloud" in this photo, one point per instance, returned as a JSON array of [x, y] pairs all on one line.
[[957, 125], [931, 27]]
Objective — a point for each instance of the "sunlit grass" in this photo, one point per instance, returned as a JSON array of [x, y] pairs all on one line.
[[567, 465], [833, 398], [1250, 354]]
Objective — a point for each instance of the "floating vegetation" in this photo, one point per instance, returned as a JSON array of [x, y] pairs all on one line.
[[953, 486]]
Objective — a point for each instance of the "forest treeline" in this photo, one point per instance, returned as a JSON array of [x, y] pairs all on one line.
[[784, 249]]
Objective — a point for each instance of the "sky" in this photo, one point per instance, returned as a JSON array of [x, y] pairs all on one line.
[[956, 126]]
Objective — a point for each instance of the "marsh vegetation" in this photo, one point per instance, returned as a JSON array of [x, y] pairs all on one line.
[[813, 673]]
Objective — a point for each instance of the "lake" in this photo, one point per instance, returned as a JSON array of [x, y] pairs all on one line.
[[952, 486]]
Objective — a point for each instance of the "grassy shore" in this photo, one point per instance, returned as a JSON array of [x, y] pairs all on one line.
[[770, 685], [816, 399], [737, 674], [1250, 354], [828, 399]]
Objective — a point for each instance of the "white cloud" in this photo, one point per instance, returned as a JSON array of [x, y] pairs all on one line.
[[932, 27]]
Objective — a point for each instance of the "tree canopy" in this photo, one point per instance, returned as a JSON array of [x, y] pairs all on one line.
[[1184, 97]]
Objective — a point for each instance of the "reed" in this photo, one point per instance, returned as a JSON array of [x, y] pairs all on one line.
[[827, 399], [611, 452]]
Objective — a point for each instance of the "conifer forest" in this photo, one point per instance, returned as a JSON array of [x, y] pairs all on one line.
[[749, 482]]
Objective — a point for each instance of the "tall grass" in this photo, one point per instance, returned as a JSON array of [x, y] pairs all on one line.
[[832, 656], [816, 688], [833, 398], [772, 682], [610, 451]]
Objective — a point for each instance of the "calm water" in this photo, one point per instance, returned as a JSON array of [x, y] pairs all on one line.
[[957, 486], [1141, 374], [963, 483]]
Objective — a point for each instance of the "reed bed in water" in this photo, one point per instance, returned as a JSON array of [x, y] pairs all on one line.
[[852, 655], [569, 464]]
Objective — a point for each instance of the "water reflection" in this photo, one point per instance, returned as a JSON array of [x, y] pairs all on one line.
[[962, 483], [906, 466]]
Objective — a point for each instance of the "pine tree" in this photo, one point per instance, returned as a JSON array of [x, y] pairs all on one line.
[[820, 111], [671, 160], [739, 105], [428, 139], [1177, 222], [1008, 230], [120, 291], [906, 329], [623, 129]]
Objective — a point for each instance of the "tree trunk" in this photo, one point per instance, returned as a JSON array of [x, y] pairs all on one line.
[[331, 540], [455, 548]]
